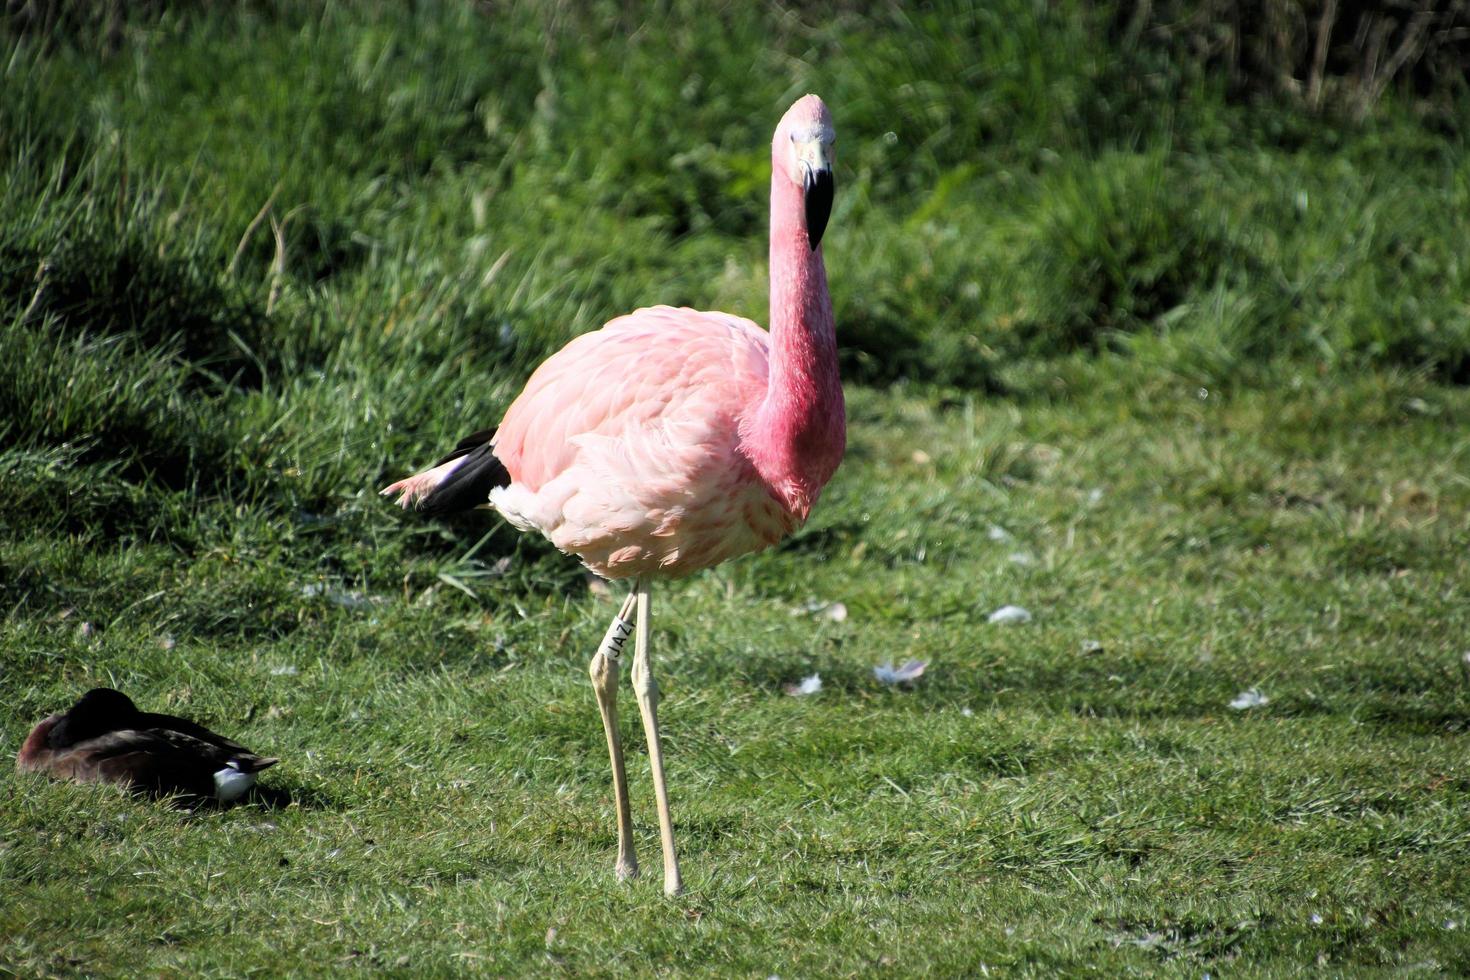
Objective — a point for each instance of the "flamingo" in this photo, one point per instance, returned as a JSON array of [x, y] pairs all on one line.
[[671, 440]]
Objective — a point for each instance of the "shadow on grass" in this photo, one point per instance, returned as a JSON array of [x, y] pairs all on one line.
[[265, 797], [774, 671], [1417, 720], [281, 798], [1093, 690], [1188, 938]]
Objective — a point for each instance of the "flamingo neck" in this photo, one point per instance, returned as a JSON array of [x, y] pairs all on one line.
[[799, 432]]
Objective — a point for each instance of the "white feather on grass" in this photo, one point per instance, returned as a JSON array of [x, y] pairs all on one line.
[[807, 686], [834, 611], [1246, 700], [1010, 614], [906, 674]]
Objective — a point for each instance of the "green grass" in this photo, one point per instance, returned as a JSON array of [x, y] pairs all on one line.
[[1201, 358]]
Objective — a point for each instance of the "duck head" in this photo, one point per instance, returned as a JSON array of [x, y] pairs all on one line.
[[100, 710]]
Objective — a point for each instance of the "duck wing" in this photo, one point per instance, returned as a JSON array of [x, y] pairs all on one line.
[[226, 751], [161, 761]]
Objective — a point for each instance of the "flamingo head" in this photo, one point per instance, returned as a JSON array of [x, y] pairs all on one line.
[[802, 151]]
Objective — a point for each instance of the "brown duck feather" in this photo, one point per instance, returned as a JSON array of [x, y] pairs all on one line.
[[104, 738]]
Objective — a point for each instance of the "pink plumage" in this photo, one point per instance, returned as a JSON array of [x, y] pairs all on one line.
[[671, 440]]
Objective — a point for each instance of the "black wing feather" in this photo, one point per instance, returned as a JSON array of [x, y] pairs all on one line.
[[469, 485]]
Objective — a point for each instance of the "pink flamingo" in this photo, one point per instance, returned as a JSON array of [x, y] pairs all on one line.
[[672, 440]]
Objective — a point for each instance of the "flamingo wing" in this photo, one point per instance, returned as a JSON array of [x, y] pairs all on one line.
[[656, 369], [624, 447]]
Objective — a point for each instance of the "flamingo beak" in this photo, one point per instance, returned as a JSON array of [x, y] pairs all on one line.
[[816, 165]]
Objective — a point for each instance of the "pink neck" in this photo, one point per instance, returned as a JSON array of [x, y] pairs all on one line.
[[797, 436]]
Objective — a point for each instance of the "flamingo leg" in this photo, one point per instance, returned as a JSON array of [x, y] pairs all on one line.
[[645, 688], [604, 671]]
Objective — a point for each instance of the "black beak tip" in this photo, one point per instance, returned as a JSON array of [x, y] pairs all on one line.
[[819, 189]]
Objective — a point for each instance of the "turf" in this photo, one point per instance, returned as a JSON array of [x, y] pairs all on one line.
[[1178, 371]]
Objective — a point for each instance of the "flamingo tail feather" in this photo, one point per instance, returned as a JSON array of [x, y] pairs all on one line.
[[460, 481]]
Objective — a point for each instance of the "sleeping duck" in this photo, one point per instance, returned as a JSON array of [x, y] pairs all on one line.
[[105, 738]]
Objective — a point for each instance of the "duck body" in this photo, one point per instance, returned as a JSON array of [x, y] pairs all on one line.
[[104, 738]]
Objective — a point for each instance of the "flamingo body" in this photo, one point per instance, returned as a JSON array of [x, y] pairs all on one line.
[[671, 440], [647, 471]]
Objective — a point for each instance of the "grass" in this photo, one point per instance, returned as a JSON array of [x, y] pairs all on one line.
[[1201, 359]]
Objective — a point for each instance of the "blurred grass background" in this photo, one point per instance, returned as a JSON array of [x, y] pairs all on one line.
[[256, 260]]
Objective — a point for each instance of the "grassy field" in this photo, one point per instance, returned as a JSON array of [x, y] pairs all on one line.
[[1178, 367]]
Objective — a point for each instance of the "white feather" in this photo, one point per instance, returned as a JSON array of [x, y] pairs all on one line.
[[230, 784]]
